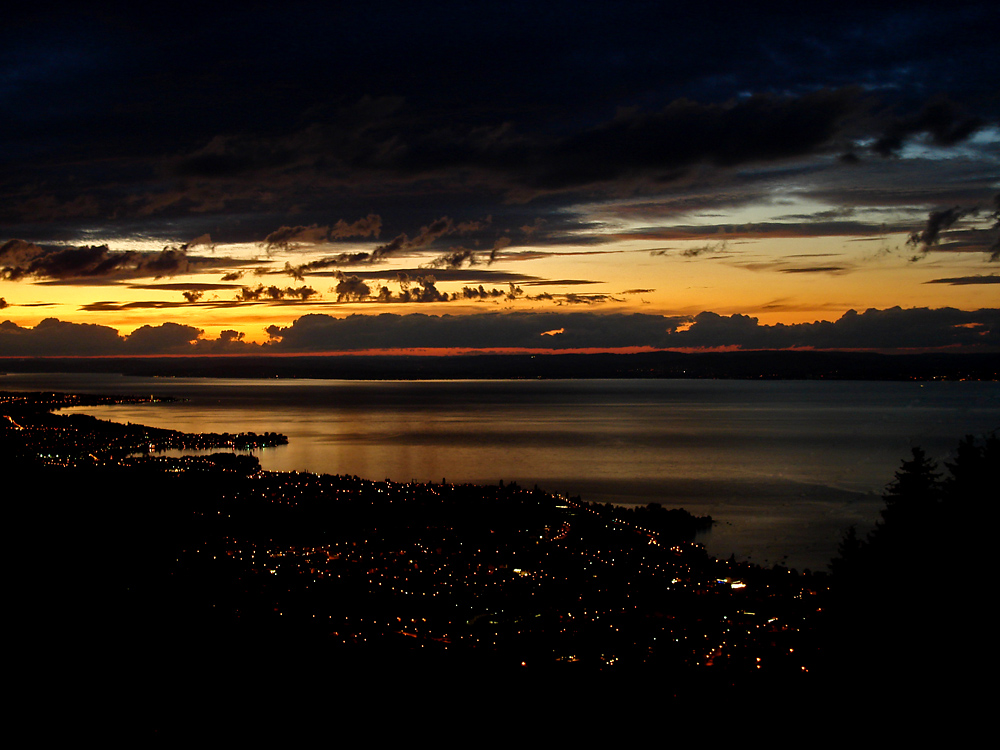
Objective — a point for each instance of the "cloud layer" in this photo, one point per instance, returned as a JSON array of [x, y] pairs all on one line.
[[570, 97], [756, 158], [885, 330]]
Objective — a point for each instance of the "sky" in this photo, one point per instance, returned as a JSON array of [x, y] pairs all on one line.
[[379, 176]]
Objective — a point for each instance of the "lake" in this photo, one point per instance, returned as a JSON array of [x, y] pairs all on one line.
[[783, 466]]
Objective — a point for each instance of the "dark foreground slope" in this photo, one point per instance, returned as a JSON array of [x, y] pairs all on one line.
[[148, 583]]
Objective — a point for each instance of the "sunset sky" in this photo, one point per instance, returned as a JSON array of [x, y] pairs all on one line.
[[286, 178]]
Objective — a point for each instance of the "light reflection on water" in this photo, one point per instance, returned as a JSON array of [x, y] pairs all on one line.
[[784, 466]]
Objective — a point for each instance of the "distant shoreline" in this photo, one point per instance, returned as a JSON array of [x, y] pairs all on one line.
[[755, 365]]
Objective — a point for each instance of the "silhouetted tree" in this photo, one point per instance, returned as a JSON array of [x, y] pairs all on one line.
[[850, 555], [911, 507], [916, 486], [906, 597], [970, 472]]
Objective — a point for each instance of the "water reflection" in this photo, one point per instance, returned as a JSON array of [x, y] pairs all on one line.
[[784, 464]]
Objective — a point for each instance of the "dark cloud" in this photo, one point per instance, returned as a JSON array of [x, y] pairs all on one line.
[[966, 240], [694, 252], [937, 222], [874, 329], [399, 244], [460, 256], [425, 236], [199, 286], [685, 133], [479, 293], [416, 289], [108, 306], [894, 328], [382, 120], [966, 280], [22, 260], [351, 288], [660, 145], [576, 120], [369, 226], [274, 293], [421, 287], [561, 282], [891, 329], [358, 280], [943, 121], [167, 338], [52, 337], [816, 269], [722, 233], [470, 227], [343, 259], [18, 253], [463, 275], [287, 237], [995, 247], [579, 299], [498, 246], [202, 240], [530, 229], [486, 330], [3, 303], [66, 262], [168, 262], [232, 156], [56, 338], [455, 259]]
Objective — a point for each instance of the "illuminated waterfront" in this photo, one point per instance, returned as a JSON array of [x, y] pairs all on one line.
[[784, 466]]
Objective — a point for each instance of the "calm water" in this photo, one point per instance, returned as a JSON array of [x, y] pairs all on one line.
[[784, 466]]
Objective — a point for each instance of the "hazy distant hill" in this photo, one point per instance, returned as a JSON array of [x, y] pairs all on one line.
[[757, 364]]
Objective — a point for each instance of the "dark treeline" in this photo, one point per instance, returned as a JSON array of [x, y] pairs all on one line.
[[928, 517], [909, 595]]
